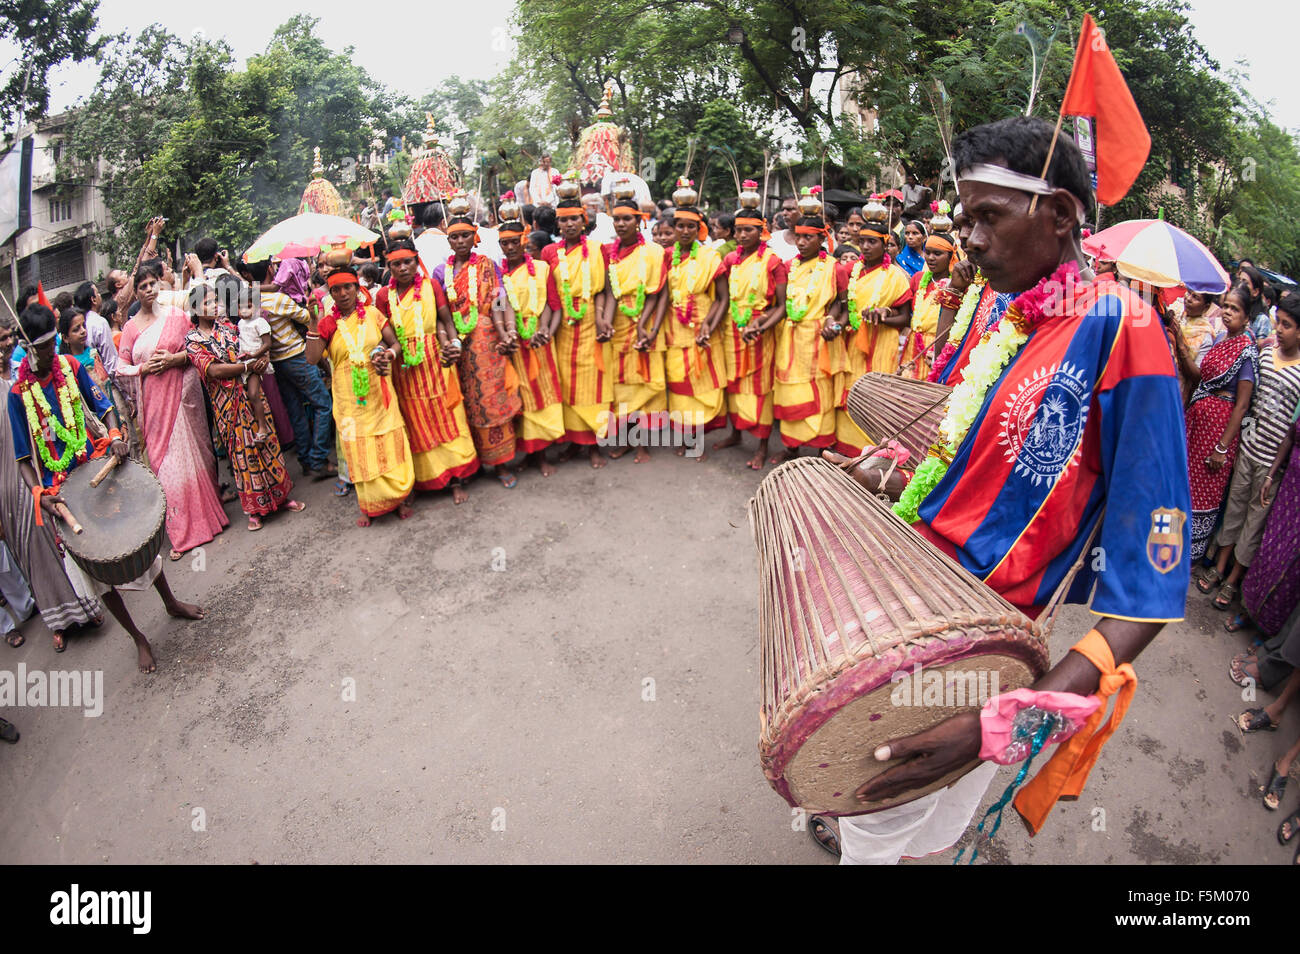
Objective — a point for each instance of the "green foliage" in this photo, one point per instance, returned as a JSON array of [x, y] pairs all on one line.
[[47, 33]]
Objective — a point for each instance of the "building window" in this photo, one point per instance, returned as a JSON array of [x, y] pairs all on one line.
[[58, 152], [60, 210]]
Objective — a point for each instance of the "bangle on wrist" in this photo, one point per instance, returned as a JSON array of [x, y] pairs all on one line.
[[1220, 449]]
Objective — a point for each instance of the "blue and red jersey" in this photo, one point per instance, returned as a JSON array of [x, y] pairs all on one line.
[[1086, 418]]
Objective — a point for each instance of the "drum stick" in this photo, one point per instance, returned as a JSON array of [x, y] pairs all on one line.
[[103, 472], [63, 511]]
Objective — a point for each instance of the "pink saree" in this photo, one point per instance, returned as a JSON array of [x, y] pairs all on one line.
[[174, 428]]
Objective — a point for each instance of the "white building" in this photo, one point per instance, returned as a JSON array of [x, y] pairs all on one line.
[[59, 246]]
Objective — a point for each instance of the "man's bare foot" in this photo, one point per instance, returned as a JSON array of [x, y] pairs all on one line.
[[642, 455], [144, 656], [544, 465], [459, 495], [597, 458], [405, 510], [731, 440], [758, 460], [618, 452], [784, 456], [184, 610], [363, 521]]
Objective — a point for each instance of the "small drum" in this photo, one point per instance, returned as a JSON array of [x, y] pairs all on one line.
[[885, 404], [121, 519], [849, 595]]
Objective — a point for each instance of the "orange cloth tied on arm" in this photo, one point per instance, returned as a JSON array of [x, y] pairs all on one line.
[[1067, 771]]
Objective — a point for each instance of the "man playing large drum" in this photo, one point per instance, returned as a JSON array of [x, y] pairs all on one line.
[[1071, 435], [48, 408]]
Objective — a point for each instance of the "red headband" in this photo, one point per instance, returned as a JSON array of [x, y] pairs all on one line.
[[341, 278]]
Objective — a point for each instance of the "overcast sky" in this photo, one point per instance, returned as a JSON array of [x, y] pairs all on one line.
[[413, 48]]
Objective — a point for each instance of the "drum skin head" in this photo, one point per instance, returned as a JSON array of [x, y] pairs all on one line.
[[119, 517], [837, 757]]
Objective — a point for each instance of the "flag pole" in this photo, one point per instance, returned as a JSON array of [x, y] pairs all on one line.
[[1060, 117]]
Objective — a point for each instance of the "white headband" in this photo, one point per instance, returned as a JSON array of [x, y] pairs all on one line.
[[1010, 179]]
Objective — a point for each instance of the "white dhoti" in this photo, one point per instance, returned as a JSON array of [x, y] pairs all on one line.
[[86, 586], [918, 828]]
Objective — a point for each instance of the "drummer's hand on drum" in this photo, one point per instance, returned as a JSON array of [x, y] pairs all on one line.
[[925, 757], [50, 501], [119, 448], [868, 474]]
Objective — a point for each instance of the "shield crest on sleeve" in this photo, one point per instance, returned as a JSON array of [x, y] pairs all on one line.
[[1165, 541]]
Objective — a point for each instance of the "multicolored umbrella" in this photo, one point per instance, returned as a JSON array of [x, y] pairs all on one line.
[[1153, 251], [307, 235]]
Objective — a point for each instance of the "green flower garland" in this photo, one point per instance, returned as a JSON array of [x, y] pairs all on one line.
[[74, 439]]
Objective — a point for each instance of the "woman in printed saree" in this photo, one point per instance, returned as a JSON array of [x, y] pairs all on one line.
[[212, 347], [485, 336], [576, 290], [689, 316], [154, 370], [756, 280], [428, 393], [1224, 384], [362, 347], [524, 279], [635, 272]]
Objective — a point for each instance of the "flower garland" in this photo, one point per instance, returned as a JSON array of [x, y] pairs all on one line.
[[742, 315], [796, 312], [356, 354], [959, 325], [526, 314], [466, 320], [411, 355], [855, 313], [74, 437], [684, 315], [633, 311], [990, 358], [573, 315]]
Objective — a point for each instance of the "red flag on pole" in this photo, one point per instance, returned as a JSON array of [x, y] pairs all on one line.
[[1097, 89], [40, 296]]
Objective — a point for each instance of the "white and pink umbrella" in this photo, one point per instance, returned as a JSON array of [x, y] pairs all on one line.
[[307, 235], [1160, 254]]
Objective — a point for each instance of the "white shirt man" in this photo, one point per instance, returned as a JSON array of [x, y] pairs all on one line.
[[540, 187]]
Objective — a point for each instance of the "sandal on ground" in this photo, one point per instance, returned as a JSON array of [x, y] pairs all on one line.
[[823, 834], [1293, 822], [1276, 789], [1253, 720], [342, 488], [15, 639], [254, 523], [1237, 669], [7, 731], [297, 506], [508, 479], [1207, 580], [175, 555], [1238, 622], [60, 642], [1227, 593]]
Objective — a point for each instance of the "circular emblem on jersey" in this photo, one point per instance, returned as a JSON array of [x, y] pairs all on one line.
[[1043, 423]]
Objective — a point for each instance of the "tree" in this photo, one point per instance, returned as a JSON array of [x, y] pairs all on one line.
[[47, 33]]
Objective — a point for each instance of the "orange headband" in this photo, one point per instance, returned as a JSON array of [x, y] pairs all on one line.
[[871, 228], [809, 230], [571, 213], [400, 255], [461, 227], [341, 278], [939, 244], [692, 216]]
